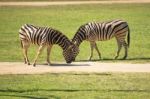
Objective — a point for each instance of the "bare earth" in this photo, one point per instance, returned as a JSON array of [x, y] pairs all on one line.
[[96, 67], [70, 2]]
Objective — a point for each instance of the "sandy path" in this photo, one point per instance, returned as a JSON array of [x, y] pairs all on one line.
[[69, 2], [20, 68]]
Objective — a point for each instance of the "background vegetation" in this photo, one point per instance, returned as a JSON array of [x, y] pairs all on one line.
[[68, 19], [76, 86]]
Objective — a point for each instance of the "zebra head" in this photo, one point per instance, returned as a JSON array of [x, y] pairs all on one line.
[[70, 53]]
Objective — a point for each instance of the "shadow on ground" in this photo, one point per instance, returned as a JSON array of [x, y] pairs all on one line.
[[109, 59], [96, 60], [60, 64]]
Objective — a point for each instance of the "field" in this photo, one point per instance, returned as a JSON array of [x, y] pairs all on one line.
[[76, 86], [68, 19]]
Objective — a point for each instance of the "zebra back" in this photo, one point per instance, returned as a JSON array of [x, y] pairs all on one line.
[[43, 35]]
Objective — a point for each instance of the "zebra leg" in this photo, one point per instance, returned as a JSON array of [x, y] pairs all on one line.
[[92, 47], [119, 49], [99, 54], [38, 53], [126, 49], [48, 54], [25, 46]]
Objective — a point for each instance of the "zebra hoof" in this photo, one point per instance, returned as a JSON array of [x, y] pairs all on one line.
[[34, 65], [28, 63]]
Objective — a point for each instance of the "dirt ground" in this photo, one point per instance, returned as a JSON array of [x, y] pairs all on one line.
[[70, 2], [88, 67]]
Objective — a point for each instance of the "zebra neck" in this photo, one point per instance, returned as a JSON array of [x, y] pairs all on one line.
[[77, 40], [64, 44]]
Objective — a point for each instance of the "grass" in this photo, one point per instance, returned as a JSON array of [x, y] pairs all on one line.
[[76, 86], [68, 19]]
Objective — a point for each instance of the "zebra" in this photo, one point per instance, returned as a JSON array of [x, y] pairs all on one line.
[[101, 31], [44, 37]]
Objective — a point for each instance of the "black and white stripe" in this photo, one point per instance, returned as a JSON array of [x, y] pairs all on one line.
[[44, 37], [101, 31]]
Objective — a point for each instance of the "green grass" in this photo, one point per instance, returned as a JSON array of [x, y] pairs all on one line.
[[68, 19], [76, 86]]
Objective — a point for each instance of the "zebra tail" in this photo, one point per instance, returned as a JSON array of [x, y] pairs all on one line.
[[128, 38]]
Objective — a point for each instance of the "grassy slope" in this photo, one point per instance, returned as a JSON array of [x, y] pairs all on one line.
[[76, 86], [68, 19]]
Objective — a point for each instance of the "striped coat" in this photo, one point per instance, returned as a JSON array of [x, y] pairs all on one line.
[[101, 31], [44, 37]]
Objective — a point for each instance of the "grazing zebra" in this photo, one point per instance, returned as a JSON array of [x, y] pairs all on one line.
[[100, 31], [45, 37]]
